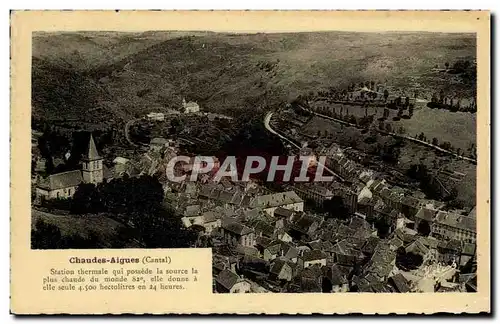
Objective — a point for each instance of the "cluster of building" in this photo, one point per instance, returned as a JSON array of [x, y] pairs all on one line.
[[267, 241], [290, 250]]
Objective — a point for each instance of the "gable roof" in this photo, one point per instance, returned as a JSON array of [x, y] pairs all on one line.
[[211, 216], [62, 180], [456, 220], [276, 200], [227, 279], [314, 255], [236, 228], [192, 210], [427, 214], [400, 283], [336, 275], [283, 212], [278, 266]]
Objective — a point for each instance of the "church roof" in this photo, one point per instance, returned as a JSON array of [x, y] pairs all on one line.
[[92, 152], [62, 180]]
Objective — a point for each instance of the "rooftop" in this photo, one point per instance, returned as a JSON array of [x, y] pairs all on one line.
[[276, 200], [455, 220], [62, 180]]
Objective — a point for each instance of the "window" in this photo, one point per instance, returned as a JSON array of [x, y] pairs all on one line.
[[57, 194], [69, 191]]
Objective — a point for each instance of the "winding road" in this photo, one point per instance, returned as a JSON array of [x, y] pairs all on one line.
[[127, 131], [267, 120]]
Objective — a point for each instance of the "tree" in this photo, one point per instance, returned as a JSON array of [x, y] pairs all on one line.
[[48, 236], [86, 199], [446, 145], [407, 261], [447, 65], [441, 96], [45, 235], [386, 94], [336, 208], [388, 128], [435, 141], [424, 228], [386, 113], [383, 227]]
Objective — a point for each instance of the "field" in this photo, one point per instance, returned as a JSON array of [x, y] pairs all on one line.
[[458, 128]]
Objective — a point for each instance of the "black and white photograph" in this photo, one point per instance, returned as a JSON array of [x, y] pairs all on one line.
[[308, 162]]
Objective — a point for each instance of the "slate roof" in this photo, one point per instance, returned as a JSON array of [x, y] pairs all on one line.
[[225, 197], [227, 279], [456, 220], [62, 180], [283, 212], [276, 200], [410, 201], [210, 216], [369, 246], [400, 283], [314, 255], [454, 245], [277, 266], [425, 213], [237, 228], [262, 241], [315, 245], [336, 275], [192, 210], [289, 251], [417, 247], [264, 228]]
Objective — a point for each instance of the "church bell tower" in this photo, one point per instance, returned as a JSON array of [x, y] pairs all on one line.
[[92, 165]]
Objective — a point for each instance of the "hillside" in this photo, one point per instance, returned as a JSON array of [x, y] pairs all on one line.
[[129, 74]]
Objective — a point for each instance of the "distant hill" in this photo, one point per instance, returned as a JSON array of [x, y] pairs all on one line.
[[127, 74]]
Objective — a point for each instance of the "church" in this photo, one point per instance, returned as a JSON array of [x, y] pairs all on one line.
[[64, 184]]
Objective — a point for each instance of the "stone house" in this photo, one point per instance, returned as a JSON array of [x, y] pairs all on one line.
[[229, 282], [281, 270], [314, 257], [234, 233]]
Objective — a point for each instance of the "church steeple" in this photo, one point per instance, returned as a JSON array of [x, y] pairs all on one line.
[[92, 164], [92, 154]]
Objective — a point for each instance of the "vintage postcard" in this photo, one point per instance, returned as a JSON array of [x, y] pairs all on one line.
[[250, 162]]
